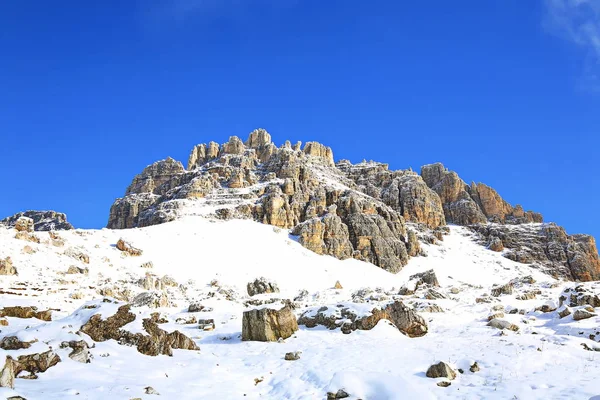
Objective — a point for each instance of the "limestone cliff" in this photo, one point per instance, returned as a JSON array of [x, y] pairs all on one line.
[[365, 210]]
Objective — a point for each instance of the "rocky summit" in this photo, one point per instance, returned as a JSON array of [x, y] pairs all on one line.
[[274, 272], [363, 211]]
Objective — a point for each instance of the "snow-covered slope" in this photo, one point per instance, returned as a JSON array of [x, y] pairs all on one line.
[[212, 262]]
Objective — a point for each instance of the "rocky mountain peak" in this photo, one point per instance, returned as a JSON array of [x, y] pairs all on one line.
[[380, 214]]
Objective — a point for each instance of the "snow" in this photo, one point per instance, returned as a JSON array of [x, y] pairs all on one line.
[[544, 359]]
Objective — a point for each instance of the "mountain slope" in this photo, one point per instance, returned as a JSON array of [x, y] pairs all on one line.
[[368, 277], [376, 364]]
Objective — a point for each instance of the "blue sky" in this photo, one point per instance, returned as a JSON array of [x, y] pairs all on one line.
[[502, 91]]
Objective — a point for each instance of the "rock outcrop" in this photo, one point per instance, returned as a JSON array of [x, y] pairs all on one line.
[[404, 318], [38, 221], [26, 312], [546, 246], [260, 286], [156, 342], [344, 210], [472, 204]]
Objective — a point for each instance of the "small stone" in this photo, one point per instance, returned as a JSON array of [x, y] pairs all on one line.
[[292, 356], [475, 367], [150, 390], [444, 383], [338, 285]]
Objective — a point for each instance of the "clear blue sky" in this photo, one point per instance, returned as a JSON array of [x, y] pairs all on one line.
[[501, 91]]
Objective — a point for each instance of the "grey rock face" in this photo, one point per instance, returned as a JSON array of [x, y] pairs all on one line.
[[42, 220]]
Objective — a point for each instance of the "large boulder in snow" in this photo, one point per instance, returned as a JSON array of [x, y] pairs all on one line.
[[441, 370], [268, 324]]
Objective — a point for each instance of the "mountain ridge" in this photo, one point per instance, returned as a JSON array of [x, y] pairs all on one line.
[[341, 209]]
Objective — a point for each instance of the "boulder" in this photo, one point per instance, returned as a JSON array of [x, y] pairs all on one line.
[[268, 324], [26, 312], [496, 244], [152, 299], [503, 324], [6, 267], [499, 290], [77, 254], [340, 394], [260, 286], [127, 247], [80, 351], [156, 342], [425, 278], [580, 314], [7, 374], [24, 224], [13, 343], [292, 356], [28, 237], [564, 311], [406, 320], [77, 270], [441, 370], [35, 363], [195, 307]]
